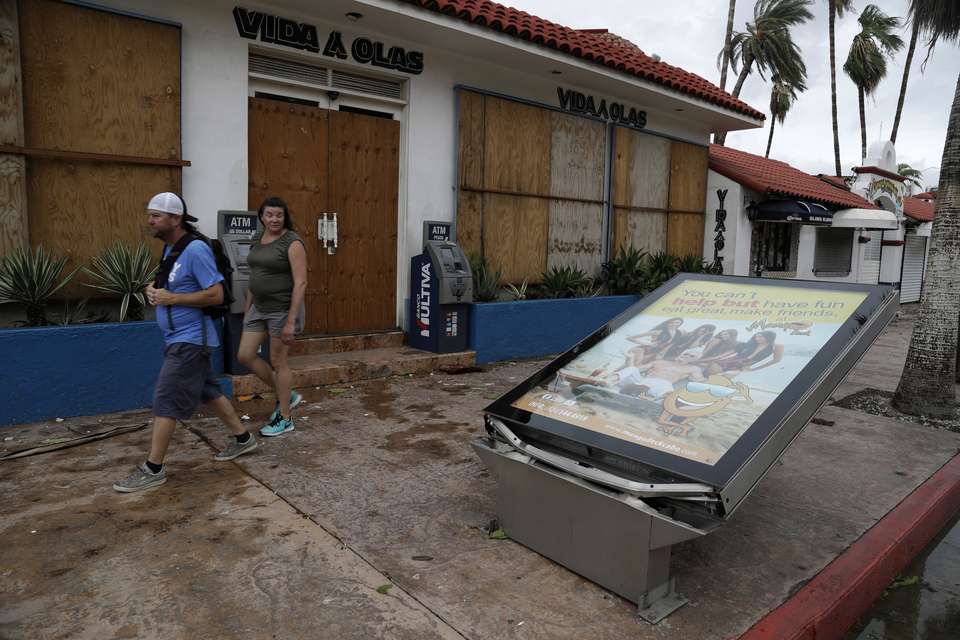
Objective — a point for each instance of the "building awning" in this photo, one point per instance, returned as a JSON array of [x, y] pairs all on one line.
[[795, 211], [865, 219]]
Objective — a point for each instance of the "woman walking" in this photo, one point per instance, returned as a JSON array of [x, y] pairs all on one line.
[[274, 305]]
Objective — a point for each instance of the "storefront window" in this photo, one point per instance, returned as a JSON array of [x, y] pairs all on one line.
[[774, 248], [833, 252]]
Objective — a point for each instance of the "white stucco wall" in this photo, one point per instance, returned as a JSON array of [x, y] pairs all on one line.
[[735, 253], [214, 110]]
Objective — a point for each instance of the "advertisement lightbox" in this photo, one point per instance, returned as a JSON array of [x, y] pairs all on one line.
[[705, 380]]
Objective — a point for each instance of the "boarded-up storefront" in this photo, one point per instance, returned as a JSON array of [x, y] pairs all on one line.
[[535, 188], [101, 125]]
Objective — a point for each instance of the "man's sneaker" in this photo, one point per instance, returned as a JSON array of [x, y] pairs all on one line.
[[140, 479], [277, 427], [235, 449], [295, 399]]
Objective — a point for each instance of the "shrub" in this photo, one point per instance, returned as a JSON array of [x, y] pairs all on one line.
[[31, 278], [486, 279], [125, 272], [626, 272], [564, 282]]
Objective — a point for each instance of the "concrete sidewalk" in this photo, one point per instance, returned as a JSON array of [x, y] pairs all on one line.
[[367, 522]]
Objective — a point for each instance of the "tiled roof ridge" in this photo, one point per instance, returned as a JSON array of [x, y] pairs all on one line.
[[587, 45], [777, 178]]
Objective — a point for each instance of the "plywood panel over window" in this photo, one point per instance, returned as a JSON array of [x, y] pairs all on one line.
[[101, 83], [641, 184], [688, 193]]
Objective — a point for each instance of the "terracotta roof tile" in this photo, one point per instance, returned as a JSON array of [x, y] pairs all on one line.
[[774, 178], [588, 44], [918, 209]]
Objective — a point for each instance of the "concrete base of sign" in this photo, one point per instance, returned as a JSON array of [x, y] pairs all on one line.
[[614, 539]]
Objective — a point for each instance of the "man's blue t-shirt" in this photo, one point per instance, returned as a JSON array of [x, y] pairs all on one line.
[[195, 270]]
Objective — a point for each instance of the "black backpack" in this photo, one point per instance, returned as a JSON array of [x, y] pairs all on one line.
[[223, 266]]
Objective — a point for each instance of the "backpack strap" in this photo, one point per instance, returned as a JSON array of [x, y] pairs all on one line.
[[166, 266]]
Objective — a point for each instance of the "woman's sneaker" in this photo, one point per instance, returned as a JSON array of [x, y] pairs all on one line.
[[278, 427], [295, 399]]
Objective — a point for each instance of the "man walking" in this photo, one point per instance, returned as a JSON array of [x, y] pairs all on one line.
[[185, 380]]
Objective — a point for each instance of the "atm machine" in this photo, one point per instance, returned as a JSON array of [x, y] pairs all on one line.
[[441, 286], [236, 230]]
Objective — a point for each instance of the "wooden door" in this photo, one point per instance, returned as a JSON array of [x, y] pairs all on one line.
[[364, 175], [287, 157]]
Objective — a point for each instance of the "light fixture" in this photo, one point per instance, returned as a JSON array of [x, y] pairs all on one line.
[[353, 16]]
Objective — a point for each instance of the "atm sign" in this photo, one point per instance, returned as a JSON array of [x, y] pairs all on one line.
[[239, 223]]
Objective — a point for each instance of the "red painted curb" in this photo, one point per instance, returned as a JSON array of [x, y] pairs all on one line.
[[827, 606]]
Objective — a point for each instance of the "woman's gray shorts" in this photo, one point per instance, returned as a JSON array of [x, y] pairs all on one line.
[[185, 381], [271, 323]]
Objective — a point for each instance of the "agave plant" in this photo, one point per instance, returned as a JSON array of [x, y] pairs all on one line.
[[626, 272], [31, 278], [563, 282], [517, 292], [124, 272], [661, 267], [486, 279]]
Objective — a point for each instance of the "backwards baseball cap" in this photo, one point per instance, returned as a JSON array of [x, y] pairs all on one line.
[[171, 203]]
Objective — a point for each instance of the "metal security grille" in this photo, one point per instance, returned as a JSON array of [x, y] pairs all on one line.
[[911, 281], [289, 70], [323, 78], [833, 252], [370, 86], [870, 265]]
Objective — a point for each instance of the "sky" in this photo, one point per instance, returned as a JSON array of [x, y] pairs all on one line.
[[691, 35]]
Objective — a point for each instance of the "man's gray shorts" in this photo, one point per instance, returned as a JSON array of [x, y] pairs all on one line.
[[272, 323], [185, 381]]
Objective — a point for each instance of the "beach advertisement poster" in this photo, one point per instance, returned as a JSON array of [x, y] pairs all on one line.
[[692, 372]]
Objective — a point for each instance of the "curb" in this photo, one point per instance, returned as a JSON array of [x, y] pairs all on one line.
[[827, 606]]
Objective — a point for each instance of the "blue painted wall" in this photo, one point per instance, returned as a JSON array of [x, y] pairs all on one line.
[[532, 328], [58, 372]]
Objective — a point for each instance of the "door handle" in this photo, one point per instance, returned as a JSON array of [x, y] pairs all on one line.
[[332, 235], [322, 229]]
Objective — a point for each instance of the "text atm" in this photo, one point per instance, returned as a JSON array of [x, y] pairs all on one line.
[[236, 230], [441, 286]]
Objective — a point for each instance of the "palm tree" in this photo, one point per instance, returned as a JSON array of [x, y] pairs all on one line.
[[728, 36], [903, 82], [768, 45], [837, 9], [912, 176], [782, 96], [867, 61], [927, 383]]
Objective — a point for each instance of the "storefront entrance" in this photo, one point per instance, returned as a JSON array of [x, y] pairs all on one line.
[[323, 161]]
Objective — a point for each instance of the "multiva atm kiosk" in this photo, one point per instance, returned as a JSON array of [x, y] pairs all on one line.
[[653, 430], [236, 230], [441, 285]]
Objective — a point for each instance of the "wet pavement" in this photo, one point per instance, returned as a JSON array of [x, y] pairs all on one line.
[[923, 603]]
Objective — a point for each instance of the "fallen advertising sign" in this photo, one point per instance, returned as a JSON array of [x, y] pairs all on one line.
[[675, 409]]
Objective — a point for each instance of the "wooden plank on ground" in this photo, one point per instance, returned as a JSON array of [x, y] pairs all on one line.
[[99, 82], [516, 147], [470, 124], [515, 236]]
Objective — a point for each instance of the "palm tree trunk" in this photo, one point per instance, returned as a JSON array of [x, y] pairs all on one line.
[[726, 45], [927, 384], [903, 83], [773, 123], [833, 88], [720, 138], [863, 127]]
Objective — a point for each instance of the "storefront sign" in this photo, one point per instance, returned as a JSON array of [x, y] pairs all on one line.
[[576, 102], [719, 229], [300, 35]]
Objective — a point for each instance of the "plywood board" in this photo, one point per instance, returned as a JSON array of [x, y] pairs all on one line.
[[13, 203], [471, 139], [515, 236], [685, 234], [364, 176], [287, 157], [469, 221], [99, 82], [87, 207], [13, 169], [688, 177], [517, 140], [576, 236], [641, 169], [577, 157], [644, 230]]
